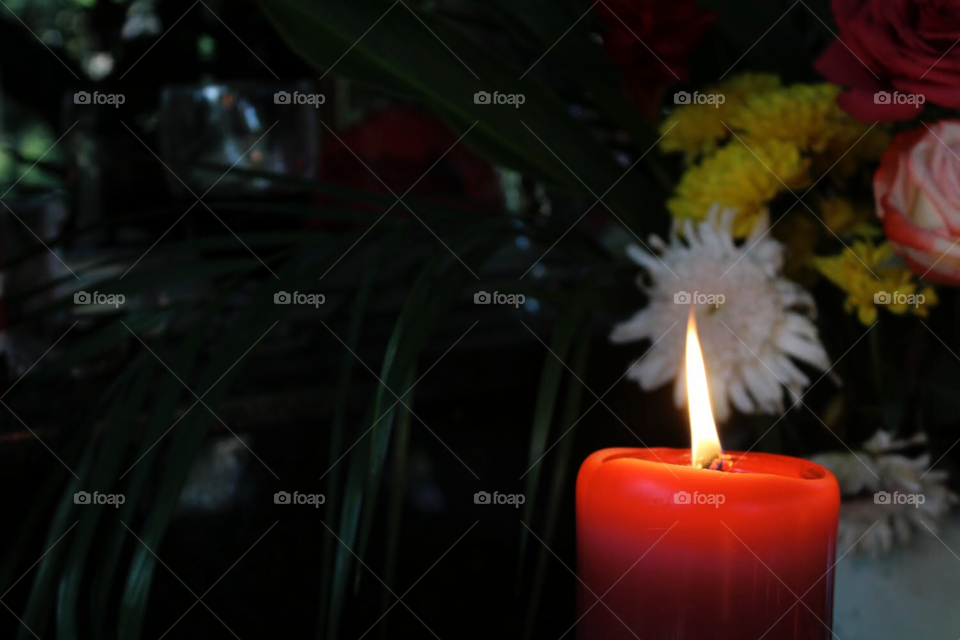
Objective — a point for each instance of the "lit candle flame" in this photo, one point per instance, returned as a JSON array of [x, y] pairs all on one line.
[[703, 429]]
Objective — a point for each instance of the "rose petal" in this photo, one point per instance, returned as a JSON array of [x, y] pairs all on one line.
[[930, 208], [862, 105], [945, 96], [839, 66], [932, 254], [884, 181]]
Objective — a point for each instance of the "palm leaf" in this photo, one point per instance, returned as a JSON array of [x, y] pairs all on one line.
[[299, 273], [348, 364], [561, 467], [420, 315], [117, 434], [388, 57], [147, 457], [550, 379], [397, 490]]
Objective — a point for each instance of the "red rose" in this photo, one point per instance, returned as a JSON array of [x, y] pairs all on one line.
[[917, 189], [669, 30], [909, 46], [401, 146]]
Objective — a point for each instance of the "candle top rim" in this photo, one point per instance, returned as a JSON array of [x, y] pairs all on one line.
[[736, 463]]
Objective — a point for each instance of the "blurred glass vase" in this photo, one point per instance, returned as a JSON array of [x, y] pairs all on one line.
[[208, 132]]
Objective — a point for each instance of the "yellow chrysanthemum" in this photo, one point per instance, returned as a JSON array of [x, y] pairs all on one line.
[[845, 218], [850, 149], [805, 115], [800, 233], [735, 178], [893, 288], [697, 129]]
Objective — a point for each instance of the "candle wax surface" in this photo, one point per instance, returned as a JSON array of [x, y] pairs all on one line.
[[680, 553]]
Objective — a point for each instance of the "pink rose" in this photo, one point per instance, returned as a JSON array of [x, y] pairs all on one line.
[[917, 189]]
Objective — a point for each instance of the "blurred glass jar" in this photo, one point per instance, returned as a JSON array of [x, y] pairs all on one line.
[[206, 129]]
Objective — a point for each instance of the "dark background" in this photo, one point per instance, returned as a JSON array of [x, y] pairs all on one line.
[[479, 400]]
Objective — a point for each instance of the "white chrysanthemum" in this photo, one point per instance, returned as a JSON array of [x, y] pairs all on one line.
[[763, 317]]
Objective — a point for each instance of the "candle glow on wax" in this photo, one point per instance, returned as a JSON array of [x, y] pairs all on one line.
[[705, 445]]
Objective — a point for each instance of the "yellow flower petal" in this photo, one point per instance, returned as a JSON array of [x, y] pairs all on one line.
[[740, 178], [698, 129], [893, 288]]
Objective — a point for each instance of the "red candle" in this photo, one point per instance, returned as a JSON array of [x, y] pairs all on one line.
[[690, 545], [670, 563]]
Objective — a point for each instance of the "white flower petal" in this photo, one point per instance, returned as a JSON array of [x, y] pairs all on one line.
[[718, 399], [657, 371], [636, 328], [770, 314], [740, 398], [804, 349]]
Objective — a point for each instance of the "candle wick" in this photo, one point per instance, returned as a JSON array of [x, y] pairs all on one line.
[[716, 464]]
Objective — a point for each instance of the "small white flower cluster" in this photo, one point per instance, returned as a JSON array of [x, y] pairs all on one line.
[[876, 526]]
